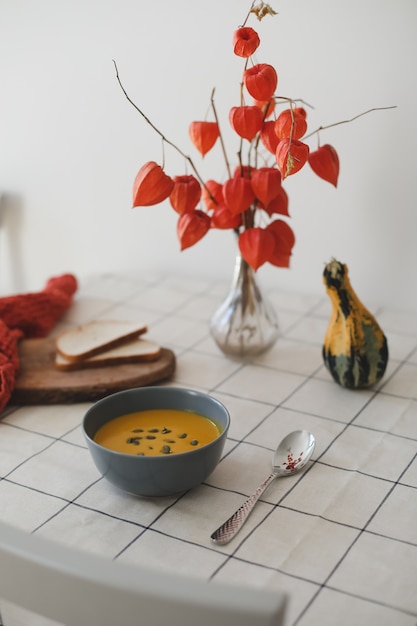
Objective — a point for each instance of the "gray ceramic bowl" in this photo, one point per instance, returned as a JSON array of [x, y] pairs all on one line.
[[156, 475]]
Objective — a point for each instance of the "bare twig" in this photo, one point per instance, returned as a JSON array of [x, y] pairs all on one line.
[[249, 12], [164, 139], [292, 101], [213, 106], [352, 119]]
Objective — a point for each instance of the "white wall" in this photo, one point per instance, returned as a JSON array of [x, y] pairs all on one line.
[[71, 144]]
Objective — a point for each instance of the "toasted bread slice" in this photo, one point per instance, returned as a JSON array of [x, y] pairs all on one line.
[[96, 337], [136, 351]]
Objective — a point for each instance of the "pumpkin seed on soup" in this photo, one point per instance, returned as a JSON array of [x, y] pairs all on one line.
[[134, 440]]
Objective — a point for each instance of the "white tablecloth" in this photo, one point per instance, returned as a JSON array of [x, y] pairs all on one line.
[[340, 538]]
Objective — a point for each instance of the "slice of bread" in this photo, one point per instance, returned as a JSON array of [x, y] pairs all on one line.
[[96, 337], [136, 351]]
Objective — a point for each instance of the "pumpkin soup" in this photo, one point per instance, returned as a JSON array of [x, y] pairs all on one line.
[[157, 432]]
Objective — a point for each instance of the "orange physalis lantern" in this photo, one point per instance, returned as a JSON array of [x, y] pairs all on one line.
[[266, 184], [269, 137], [284, 242], [204, 135], [261, 81], [238, 194], [267, 107], [292, 125], [291, 156], [223, 218], [279, 204], [192, 227], [256, 245], [245, 41], [151, 185], [186, 194], [325, 163], [246, 121], [212, 194]]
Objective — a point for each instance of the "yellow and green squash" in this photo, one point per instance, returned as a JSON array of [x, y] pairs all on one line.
[[355, 349]]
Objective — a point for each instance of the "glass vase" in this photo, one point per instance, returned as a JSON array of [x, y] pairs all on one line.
[[245, 324]]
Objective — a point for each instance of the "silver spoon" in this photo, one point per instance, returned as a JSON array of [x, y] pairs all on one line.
[[291, 456]]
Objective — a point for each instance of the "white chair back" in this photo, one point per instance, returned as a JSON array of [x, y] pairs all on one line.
[[78, 589]]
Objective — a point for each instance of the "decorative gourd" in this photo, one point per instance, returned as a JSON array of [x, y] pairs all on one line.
[[355, 349]]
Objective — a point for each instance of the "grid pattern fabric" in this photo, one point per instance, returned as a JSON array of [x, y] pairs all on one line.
[[340, 538]]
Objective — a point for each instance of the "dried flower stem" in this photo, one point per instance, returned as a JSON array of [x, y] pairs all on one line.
[[352, 119], [213, 106], [164, 139], [249, 12]]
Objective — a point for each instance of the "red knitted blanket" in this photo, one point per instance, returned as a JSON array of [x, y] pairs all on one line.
[[29, 315]]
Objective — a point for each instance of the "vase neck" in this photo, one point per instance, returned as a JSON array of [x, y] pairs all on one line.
[[243, 271]]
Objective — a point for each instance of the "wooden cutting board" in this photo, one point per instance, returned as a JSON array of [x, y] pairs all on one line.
[[40, 382]]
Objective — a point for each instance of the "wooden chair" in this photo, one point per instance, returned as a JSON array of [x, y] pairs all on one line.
[[78, 589]]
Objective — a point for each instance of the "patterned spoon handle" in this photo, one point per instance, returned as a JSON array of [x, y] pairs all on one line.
[[231, 527]]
